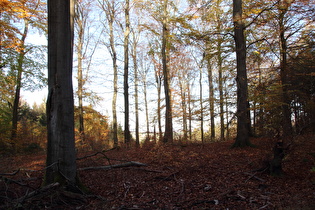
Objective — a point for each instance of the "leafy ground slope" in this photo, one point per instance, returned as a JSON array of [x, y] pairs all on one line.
[[194, 176]]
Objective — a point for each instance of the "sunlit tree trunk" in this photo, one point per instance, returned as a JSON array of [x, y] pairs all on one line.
[[109, 9], [18, 85], [80, 20], [136, 80], [61, 156], [242, 138], [168, 133], [126, 72]]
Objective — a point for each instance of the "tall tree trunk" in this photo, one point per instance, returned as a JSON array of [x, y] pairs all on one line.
[[242, 138], [18, 83], [211, 98], [79, 22], [168, 135], [227, 113], [61, 155], [126, 72], [287, 129], [136, 78], [220, 68], [146, 105], [183, 90], [115, 82], [201, 104], [158, 85], [221, 102], [189, 114]]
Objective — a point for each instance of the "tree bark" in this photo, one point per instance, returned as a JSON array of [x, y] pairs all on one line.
[[61, 156], [242, 138]]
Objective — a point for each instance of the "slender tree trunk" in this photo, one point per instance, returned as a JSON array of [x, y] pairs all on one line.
[[220, 69], [221, 102], [189, 113], [61, 155], [211, 98], [126, 72], [201, 105], [242, 138], [135, 66], [182, 86], [168, 135], [146, 106], [227, 113], [18, 83], [158, 85], [115, 82], [80, 26]]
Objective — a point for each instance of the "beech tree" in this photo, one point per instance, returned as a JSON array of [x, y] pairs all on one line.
[[126, 72], [242, 138], [168, 133], [61, 155], [110, 9]]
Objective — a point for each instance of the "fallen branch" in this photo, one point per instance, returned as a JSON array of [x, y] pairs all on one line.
[[39, 191], [253, 176], [128, 164], [96, 153], [10, 174]]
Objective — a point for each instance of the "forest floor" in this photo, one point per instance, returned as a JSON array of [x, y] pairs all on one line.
[[191, 176]]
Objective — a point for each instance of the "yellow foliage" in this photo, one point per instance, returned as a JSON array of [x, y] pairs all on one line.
[[18, 10]]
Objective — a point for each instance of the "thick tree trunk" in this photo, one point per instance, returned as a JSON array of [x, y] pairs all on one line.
[[168, 135], [61, 156], [242, 138], [126, 73]]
